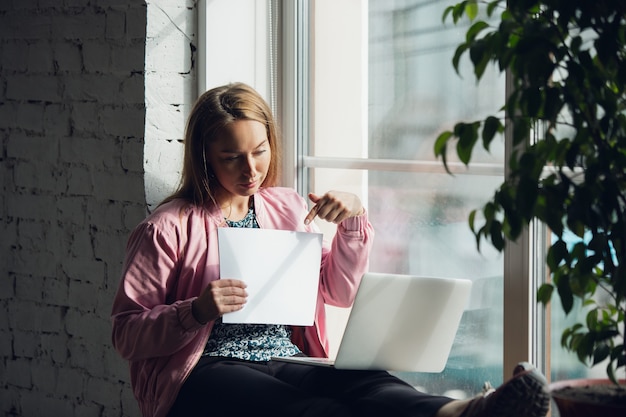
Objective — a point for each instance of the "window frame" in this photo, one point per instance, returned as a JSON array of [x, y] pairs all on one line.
[[524, 329], [523, 326]]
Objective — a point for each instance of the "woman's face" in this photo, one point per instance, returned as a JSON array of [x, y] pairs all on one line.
[[240, 158]]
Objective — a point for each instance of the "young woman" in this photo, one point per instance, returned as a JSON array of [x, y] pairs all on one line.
[[167, 312]]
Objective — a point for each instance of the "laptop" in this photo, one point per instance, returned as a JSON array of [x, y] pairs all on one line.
[[399, 323]]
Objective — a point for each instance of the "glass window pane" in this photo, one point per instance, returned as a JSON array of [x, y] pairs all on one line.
[[420, 217], [421, 229], [414, 91]]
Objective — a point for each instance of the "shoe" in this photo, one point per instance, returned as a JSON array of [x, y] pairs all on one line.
[[524, 395]]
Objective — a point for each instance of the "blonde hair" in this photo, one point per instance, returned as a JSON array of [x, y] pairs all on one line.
[[214, 110]]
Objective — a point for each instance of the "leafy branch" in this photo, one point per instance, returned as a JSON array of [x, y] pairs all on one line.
[[566, 60]]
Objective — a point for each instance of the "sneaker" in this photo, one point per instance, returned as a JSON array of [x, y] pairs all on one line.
[[524, 395]]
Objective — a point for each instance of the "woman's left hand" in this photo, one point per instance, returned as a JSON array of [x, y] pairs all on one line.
[[334, 206]]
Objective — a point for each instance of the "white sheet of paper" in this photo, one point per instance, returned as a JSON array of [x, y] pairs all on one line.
[[281, 270]]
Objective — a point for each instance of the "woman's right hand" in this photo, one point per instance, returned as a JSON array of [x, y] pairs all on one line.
[[219, 297]]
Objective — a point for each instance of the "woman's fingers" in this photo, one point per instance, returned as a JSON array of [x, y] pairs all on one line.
[[313, 212], [218, 298], [334, 206], [229, 294]]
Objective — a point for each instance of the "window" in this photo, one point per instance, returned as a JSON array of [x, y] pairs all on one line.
[[400, 53], [235, 44], [382, 88], [362, 89]]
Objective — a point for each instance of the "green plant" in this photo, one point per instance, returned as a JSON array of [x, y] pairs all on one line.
[[566, 62]]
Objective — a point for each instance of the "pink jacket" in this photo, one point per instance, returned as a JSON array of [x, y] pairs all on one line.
[[171, 257]]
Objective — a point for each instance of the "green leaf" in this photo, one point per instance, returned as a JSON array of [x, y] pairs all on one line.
[[544, 293], [442, 142], [552, 104], [584, 347], [457, 11], [570, 333], [471, 9], [479, 54], [610, 372], [533, 99], [521, 130], [556, 254], [446, 12], [600, 353], [575, 44], [491, 127], [495, 232], [471, 219], [526, 196], [460, 50], [475, 30], [592, 320], [565, 293], [468, 135], [492, 6], [440, 148]]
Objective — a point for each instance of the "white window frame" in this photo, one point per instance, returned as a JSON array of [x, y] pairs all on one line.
[[523, 339], [227, 30]]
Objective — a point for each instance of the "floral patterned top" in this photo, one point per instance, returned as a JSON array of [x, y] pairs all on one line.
[[253, 342]]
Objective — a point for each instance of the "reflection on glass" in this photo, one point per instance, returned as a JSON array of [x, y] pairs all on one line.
[[421, 229], [414, 91], [421, 218]]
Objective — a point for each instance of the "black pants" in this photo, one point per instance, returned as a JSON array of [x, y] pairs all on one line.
[[231, 387]]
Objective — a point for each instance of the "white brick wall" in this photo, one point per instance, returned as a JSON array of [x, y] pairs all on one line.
[[170, 60], [93, 99]]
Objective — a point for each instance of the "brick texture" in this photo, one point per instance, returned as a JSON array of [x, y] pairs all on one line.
[[93, 98]]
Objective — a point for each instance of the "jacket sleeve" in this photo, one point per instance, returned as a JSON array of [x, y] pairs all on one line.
[[144, 323], [345, 260]]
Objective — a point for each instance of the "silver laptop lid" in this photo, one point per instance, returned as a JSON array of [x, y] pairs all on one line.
[[403, 323]]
